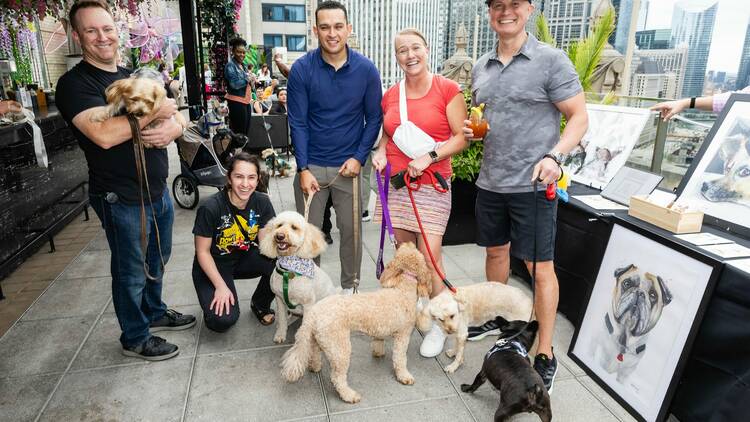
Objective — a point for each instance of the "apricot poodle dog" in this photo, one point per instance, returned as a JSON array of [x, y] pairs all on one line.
[[472, 305], [295, 243], [388, 312]]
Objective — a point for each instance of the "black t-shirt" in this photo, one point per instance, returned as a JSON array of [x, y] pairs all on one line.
[[214, 220], [110, 170]]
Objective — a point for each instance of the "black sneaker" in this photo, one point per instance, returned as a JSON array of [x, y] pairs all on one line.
[[172, 321], [489, 328], [366, 216], [328, 238], [153, 349], [547, 369]]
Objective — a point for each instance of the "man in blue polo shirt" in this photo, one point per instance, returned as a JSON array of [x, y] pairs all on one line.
[[334, 113]]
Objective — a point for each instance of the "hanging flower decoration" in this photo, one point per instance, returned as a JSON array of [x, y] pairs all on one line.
[[157, 38], [26, 10], [219, 18]]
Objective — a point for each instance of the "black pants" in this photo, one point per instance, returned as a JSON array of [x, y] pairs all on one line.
[[249, 264], [239, 117], [327, 224]]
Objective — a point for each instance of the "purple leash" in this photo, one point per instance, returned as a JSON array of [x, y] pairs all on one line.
[[386, 223]]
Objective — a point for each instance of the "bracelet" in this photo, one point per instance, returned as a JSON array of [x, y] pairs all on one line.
[[552, 157], [692, 102]]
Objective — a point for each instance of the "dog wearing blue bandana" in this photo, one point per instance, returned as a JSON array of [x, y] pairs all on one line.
[[298, 282]]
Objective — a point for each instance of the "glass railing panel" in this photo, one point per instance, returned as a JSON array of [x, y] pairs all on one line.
[[685, 135]]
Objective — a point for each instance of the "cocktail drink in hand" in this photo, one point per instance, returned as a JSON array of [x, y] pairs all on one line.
[[477, 122]]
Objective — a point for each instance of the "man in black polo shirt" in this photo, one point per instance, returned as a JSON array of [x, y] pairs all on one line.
[[114, 187]]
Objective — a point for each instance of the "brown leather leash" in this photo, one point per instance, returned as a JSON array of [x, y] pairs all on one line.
[[356, 218], [142, 173]]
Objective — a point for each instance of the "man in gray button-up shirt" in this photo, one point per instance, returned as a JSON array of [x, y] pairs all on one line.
[[526, 86]]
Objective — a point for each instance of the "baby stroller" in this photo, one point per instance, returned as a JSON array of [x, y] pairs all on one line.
[[202, 161]]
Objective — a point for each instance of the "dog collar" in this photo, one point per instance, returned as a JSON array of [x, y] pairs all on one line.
[[301, 266], [503, 345]]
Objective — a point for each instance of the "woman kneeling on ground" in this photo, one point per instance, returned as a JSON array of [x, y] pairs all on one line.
[[227, 228]]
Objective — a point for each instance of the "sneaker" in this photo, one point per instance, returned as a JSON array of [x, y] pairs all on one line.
[[172, 321], [489, 328], [328, 238], [347, 292], [433, 342], [153, 349], [366, 216], [547, 369]]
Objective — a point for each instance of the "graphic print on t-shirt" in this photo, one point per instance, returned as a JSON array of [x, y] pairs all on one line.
[[230, 236]]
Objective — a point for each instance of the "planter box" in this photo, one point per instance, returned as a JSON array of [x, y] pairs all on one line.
[[462, 225]]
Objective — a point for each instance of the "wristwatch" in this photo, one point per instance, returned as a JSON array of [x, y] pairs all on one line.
[[433, 155], [301, 169]]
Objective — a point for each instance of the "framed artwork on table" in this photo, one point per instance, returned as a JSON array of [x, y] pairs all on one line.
[[613, 132], [642, 317], [718, 181]]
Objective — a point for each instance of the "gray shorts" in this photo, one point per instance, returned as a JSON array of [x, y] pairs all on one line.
[[509, 217]]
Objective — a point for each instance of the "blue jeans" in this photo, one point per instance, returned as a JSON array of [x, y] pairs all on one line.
[[136, 299]]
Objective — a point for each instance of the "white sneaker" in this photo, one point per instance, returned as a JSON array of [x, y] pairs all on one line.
[[433, 342], [347, 292], [366, 216]]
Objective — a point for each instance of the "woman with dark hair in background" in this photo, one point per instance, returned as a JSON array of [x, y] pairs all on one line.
[[227, 230], [240, 83]]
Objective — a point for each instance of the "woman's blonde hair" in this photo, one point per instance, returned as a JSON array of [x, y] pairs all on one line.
[[410, 31]]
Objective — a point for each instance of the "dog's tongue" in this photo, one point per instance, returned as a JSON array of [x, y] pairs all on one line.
[[619, 357]]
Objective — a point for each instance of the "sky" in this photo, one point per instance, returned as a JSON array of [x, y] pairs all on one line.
[[729, 30]]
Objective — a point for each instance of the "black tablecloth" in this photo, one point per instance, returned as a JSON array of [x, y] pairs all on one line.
[[715, 385]]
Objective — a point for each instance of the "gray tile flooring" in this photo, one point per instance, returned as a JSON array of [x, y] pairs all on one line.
[[61, 361]]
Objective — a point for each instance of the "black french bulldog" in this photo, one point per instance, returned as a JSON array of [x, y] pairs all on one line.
[[507, 367]]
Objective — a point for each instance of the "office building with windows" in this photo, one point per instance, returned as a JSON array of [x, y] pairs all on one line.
[[672, 62], [693, 24], [568, 20], [653, 39], [375, 24], [284, 24], [743, 74]]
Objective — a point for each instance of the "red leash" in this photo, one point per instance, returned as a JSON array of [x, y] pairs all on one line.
[[412, 185]]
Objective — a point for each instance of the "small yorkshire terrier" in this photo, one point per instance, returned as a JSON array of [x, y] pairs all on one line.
[[274, 162], [140, 95]]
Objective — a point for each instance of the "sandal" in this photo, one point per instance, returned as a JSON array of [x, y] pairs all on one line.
[[262, 315]]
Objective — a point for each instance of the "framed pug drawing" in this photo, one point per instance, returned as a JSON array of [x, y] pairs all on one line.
[[641, 318], [718, 181], [609, 140]]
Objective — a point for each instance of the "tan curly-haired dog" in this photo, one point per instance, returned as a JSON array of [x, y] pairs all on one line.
[[288, 234], [388, 312], [472, 305]]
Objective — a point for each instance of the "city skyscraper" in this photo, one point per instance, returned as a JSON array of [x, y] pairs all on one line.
[[653, 39], [693, 24], [376, 22], [743, 74], [671, 61], [568, 20], [623, 14]]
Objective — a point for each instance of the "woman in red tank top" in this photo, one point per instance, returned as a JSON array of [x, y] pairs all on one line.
[[436, 106]]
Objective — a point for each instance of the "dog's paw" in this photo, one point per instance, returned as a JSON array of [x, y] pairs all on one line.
[[279, 339], [466, 388], [350, 396], [406, 378], [450, 353], [452, 367]]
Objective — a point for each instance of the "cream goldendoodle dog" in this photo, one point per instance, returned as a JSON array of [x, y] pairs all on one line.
[[295, 243], [472, 305], [388, 312]]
